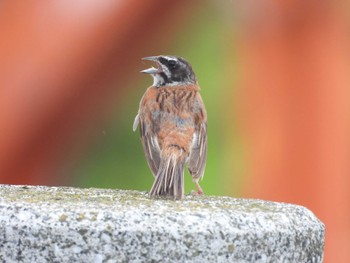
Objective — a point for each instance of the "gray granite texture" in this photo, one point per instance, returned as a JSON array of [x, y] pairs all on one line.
[[61, 224]]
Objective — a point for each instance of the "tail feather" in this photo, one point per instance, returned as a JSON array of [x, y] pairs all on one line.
[[170, 180]]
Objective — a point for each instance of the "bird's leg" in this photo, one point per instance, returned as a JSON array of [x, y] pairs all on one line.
[[199, 189]]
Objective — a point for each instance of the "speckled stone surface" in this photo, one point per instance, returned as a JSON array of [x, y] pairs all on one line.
[[60, 224]]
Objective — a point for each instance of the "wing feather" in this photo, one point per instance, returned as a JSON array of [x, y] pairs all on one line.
[[136, 122], [198, 155], [148, 136], [150, 147]]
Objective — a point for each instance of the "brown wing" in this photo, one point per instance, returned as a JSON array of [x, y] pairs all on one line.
[[148, 136], [198, 155]]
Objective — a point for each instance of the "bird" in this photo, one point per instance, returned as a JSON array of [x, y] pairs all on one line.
[[173, 126]]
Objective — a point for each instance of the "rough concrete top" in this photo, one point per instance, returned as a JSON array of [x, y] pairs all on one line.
[[61, 224]]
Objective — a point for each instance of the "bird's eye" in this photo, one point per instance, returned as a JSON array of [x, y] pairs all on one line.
[[172, 64]]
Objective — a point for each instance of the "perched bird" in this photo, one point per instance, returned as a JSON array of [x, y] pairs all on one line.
[[173, 126]]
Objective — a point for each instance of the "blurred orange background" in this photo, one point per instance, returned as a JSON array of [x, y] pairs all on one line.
[[274, 77]]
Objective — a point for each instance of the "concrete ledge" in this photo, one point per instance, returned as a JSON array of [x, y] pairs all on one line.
[[60, 224]]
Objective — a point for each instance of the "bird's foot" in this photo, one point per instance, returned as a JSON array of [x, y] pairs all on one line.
[[199, 190]]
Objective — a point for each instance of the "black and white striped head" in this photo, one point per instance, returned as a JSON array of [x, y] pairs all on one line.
[[170, 71]]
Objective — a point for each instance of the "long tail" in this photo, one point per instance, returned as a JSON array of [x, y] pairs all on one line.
[[170, 177]]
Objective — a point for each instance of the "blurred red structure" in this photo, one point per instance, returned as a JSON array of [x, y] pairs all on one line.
[[57, 58], [296, 105]]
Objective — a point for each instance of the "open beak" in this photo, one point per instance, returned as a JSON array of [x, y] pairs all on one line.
[[152, 70], [153, 58]]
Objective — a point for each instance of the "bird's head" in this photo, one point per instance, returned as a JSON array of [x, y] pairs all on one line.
[[170, 71]]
